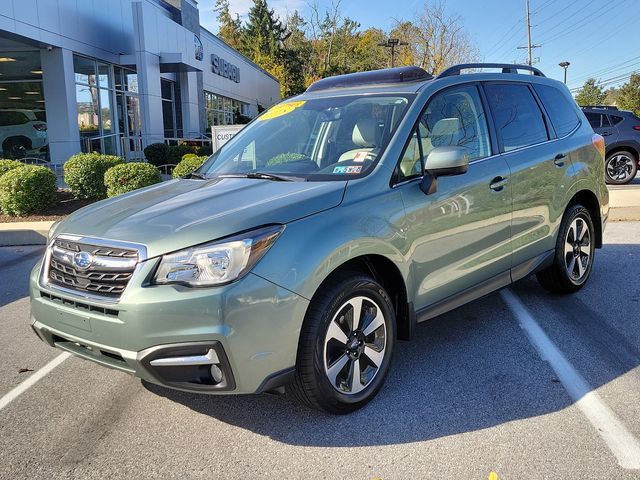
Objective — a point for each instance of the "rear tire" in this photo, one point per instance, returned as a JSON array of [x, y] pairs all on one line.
[[574, 253], [620, 168], [340, 368]]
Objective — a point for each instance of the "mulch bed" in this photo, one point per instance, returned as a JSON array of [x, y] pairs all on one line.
[[66, 205]]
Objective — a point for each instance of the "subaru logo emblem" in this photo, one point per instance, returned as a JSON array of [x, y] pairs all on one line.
[[82, 260]]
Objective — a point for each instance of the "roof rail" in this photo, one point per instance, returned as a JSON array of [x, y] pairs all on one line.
[[601, 107], [387, 75], [506, 68]]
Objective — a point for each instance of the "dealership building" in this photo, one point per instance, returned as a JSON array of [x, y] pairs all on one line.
[[116, 75]]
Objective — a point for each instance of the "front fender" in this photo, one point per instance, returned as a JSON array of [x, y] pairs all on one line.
[[310, 249]]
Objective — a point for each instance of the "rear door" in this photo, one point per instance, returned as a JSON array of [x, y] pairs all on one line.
[[539, 165], [602, 125]]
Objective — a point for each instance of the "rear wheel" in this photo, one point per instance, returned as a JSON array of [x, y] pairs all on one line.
[[575, 249], [620, 168], [346, 345]]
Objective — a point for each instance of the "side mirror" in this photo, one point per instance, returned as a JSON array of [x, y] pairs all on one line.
[[443, 161]]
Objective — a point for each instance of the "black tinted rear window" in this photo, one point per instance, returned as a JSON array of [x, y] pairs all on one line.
[[517, 115], [615, 119], [560, 110], [594, 119]]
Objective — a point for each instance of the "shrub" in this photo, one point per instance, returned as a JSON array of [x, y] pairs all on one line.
[[204, 151], [188, 164], [7, 165], [84, 173], [157, 154], [130, 176], [176, 152], [27, 189]]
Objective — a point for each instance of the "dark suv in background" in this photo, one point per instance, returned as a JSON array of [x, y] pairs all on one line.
[[621, 132]]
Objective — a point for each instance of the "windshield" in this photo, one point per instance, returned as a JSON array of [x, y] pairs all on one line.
[[317, 139]]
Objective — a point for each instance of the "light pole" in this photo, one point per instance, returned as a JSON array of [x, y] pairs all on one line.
[[392, 43], [565, 65]]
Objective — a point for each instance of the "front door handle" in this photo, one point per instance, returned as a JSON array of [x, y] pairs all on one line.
[[559, 160], [498, 183]]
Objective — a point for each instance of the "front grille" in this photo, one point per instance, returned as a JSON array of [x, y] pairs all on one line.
[[95, 269]]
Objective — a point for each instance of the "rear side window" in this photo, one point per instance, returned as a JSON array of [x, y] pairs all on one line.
[[615, 119], [518, 117], [605, 121], [560, 110], [594, 119]]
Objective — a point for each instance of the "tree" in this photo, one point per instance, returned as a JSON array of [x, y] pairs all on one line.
[[263, 32], [590, 93], [436, 39], [629, 96], [230, 30]]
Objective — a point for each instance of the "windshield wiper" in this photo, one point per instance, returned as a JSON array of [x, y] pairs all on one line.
[[263, 176], [199, 176]]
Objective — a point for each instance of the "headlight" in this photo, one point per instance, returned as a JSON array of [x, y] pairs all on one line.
[[219, 262]]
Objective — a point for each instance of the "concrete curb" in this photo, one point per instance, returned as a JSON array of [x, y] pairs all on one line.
[[24, 233]]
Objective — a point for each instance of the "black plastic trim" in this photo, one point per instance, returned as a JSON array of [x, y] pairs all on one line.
[[277, 380]]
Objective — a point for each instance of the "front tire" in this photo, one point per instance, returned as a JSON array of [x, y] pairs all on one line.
[[620, 168], [346, 344], [574, 253]]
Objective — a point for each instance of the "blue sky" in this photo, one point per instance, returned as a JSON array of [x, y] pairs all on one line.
[[596, 36]]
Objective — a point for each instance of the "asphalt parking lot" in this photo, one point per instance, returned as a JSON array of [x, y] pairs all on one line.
[[478, 391]]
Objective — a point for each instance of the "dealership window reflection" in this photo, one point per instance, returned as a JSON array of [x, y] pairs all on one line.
[[23, 122]]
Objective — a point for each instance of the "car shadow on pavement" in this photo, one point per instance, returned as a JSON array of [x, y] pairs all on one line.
[[467, 370], [15, 266]]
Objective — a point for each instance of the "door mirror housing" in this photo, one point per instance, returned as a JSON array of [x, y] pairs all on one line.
[[443, 161], [452, 160]]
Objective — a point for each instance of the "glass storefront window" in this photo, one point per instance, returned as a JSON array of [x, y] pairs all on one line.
[[94, 98], [23, 122], [221, 110]]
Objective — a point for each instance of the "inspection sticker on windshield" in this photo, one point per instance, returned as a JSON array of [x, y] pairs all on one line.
[[281, 109], [362, 156], [351, 169]]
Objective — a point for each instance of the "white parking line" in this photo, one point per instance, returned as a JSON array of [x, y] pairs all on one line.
[[620, 441], [32, 380]]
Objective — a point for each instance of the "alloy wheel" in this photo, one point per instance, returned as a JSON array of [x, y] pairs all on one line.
[[577, 249], [355, 345], [620, 167]]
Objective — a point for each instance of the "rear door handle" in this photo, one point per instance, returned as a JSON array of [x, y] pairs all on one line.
[[498, 183], [605, 133], [559, 160]]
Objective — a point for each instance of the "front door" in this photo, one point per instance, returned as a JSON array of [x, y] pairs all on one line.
[[459, 236]]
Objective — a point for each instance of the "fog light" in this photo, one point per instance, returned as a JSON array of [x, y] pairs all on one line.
[[216, 373]]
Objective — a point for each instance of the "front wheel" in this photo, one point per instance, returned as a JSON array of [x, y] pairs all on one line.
[[575, 249], [620, 168], [346, 345]]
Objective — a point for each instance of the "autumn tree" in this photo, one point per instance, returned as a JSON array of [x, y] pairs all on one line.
[[591, 93], [230, 29], [436, 39]]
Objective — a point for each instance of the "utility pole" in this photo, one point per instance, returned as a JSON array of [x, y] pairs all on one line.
[[529, 46], [392, 43]]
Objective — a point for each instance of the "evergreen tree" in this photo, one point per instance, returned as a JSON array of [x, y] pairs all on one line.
[[590, 93], [263, 33], [629, 95]]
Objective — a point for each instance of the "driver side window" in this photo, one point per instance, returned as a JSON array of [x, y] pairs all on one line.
[[453, 117]]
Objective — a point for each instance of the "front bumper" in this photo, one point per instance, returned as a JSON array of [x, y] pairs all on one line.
[[252, 326]]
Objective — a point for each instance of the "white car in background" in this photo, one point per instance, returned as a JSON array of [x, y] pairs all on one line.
[[20, 132]]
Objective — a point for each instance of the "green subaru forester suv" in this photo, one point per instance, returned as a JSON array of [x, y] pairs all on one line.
[[326, 230]]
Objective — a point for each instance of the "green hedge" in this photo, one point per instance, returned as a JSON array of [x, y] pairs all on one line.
[[157, 154], [27, 189], [84, 174], [188, 164], [130, 176], [7, 165]]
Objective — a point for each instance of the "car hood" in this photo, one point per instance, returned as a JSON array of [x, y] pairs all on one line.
[[181, 213]]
